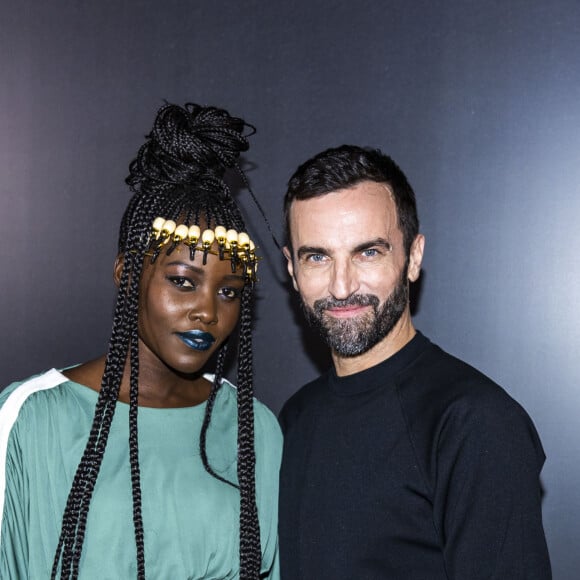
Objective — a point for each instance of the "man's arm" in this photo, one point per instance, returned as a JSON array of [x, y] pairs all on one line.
[[488, 494]]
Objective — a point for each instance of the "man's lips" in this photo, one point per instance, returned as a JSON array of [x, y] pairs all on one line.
[[196, 339], [346, 311]]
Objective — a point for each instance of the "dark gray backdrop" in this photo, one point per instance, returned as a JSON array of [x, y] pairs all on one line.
[[479, 102]]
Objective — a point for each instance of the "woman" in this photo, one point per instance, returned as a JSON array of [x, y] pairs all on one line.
[[138, 464]]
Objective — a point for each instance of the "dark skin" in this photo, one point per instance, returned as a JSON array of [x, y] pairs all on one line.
[[177, 295]]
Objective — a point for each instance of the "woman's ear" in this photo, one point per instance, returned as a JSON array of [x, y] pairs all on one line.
[[118, 269]]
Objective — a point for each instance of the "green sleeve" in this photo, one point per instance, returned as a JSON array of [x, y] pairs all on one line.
[[14, 538]]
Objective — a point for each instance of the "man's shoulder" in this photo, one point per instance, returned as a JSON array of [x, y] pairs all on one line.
[[438, 383], [434, 368], [449, 405], [307, 397]]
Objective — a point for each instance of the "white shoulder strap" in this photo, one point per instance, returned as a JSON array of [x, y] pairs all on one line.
[[9, 414]]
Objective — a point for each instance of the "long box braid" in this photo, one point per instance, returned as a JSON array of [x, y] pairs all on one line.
[[178, 174]]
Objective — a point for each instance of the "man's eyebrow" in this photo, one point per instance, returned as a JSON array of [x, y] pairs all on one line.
[[373, 243], [381, 242], [303, 250]]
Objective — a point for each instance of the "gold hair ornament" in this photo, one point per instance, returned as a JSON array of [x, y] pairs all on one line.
[[233, 245]]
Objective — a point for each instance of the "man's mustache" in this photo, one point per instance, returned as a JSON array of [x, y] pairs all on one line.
[[323, 304]]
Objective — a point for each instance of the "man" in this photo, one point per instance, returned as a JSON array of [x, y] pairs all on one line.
[[401, 462]]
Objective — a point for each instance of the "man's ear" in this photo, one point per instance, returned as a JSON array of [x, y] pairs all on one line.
[[290, 265], [118, 269], [416, 258]]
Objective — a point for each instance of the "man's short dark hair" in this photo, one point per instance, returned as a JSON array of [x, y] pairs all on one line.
[[346, 166]]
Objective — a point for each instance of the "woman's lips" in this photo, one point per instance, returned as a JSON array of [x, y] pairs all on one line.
[[196, 339]]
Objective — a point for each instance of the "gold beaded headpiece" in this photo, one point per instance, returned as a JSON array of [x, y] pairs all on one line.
[[231, 244]]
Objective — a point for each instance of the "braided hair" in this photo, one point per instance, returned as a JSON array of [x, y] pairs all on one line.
[[177, 173]]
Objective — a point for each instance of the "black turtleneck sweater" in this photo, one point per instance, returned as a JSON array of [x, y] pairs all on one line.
[[419, 468]]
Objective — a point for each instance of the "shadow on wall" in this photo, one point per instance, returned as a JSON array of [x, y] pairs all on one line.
[[311, 342], [415, 292]]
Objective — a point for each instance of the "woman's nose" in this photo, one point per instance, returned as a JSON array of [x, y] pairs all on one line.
[[204, 309]]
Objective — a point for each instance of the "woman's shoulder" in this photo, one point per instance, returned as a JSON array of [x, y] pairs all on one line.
[[28, 404], [20, 391], [265, 422]]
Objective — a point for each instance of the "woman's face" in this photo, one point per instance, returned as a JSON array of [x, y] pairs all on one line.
[[186, 309]]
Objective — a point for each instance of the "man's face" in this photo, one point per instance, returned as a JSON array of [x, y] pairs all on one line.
[[350, 267], [355, 335]]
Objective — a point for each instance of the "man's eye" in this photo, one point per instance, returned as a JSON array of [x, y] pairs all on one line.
[[370, 252], [181, 282], [315, 258], [230, 293]]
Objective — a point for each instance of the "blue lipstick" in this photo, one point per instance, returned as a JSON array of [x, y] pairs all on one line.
[[197, 339]]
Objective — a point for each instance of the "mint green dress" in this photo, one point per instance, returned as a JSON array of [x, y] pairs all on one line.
[[191, 519]]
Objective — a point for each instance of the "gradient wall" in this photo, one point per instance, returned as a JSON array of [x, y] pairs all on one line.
[[479, 102]]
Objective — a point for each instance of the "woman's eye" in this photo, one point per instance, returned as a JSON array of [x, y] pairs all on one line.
[[230, 293], [181, 282]]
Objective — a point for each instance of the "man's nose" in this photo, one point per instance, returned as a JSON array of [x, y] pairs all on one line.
[[344, 279]]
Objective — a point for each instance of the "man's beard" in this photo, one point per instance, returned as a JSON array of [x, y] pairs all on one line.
[[350, 337]]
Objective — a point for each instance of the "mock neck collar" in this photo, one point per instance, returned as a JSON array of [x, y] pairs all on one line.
[[378, 375]]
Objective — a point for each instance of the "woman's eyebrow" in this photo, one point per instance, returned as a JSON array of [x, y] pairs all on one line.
[[200, 270], [233, 278], [196, 269]]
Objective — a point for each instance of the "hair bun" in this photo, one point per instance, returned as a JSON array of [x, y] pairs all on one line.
[[188, 144]]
